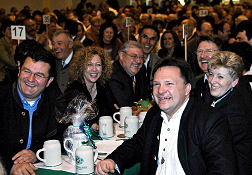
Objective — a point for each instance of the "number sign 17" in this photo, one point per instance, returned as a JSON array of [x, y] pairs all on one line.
[[18, 32]]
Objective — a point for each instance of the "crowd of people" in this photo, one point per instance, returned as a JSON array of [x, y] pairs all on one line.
[[194, 61]]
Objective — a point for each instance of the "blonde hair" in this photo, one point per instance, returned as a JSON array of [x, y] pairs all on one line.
[[229, 60], [83, 57]]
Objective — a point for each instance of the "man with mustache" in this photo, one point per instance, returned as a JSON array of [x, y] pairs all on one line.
[[30, 28], [31, 32], [128, 82]]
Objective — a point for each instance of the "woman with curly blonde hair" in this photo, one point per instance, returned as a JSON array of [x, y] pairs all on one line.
[[83, 62], [89, 73]]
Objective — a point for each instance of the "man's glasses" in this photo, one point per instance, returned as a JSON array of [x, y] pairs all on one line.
[[207, 51], [37, 76], [135, 56], [147, 38]]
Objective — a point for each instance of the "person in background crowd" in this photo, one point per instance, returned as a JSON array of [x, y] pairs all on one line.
[[148, 38], [170, 46], [108, 40], [190, 29], [30, 28], [145, 19], [37, 15], [244, 50], [63, 48], [86, 20], [204, 29], [81, 36], [207, 47], [128, 82], [124, 33], [93, 32], [7, 50], [178, 135], [244, 32], [31, 32], [223, 33]]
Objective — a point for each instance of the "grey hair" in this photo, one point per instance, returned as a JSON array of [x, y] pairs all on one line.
[[130, 44], [66, 32]]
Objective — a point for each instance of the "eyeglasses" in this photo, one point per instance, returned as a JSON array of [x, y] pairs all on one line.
[[135, 56], [37, 76], [147, 38], [207, 51]]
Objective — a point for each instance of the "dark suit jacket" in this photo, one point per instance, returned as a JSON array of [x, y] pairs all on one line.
[[122, 89], [204, 143]]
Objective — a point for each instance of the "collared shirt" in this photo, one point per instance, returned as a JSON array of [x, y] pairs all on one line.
[[64, 63], [168, 161], [31, 108], [205, 78], [147, 61]]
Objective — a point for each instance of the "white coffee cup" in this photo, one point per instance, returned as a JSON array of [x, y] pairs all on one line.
[[106, 126], [141, 118], [52, 153], [124, 112], [131, 126], [85, 158], [71, 144]]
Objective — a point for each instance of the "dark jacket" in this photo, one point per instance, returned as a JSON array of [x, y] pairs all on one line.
[[103, 102], [204, 143], [122, 88], [14, 123], [239, 116], [237, 109]]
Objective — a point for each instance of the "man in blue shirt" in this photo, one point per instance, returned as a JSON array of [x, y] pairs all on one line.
[[27, 111]]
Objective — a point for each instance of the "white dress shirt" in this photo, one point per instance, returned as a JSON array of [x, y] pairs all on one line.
[[64, 63], [168, 161]]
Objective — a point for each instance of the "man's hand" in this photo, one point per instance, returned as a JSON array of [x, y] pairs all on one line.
[[105, 166], [23, 169], [24, 156]]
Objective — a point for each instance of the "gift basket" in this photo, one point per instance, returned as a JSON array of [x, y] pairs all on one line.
[[78, 112]]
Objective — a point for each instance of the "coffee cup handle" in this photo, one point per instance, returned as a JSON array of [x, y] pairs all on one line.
[[114, 117], [96, 155], [37, 154], [65, 147]]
